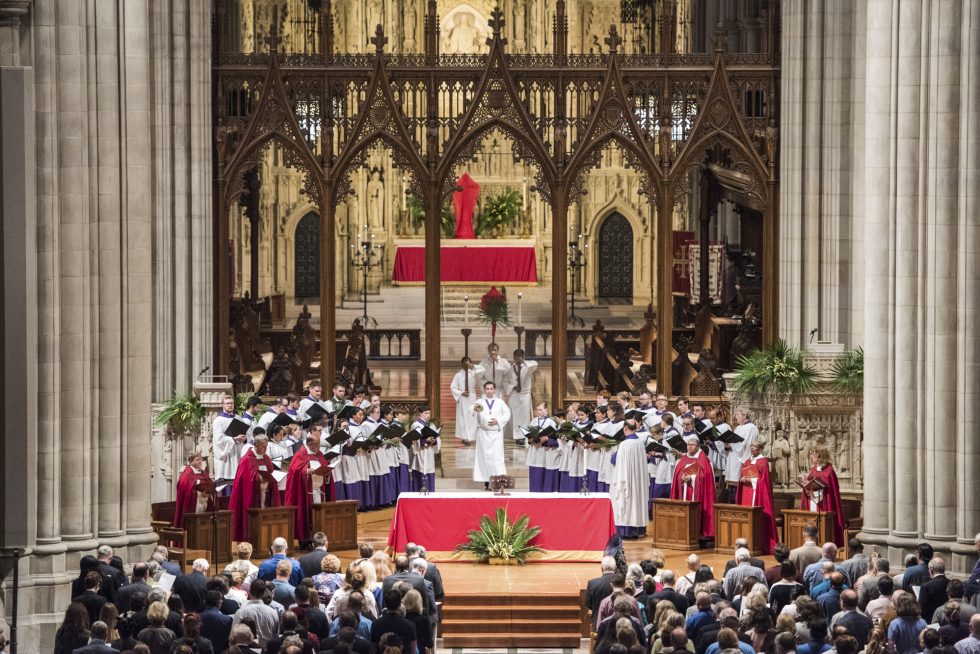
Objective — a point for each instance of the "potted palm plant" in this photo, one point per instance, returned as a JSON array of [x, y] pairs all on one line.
[[498, 541]]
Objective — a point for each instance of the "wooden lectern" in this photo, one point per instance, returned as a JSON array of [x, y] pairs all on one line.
[[338, 520], [795, 519], [734, 521], [199, 536], [676, 524], [265, 525]]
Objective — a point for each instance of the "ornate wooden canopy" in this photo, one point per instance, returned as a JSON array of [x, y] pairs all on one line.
[[666, 112]]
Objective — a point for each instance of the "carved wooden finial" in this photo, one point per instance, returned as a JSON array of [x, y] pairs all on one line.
[[273, 40], [496, 21], [379, 39], [720, 39], [613, 40]]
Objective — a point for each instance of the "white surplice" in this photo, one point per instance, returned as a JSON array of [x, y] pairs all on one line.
[[465, 420], [489, 458], [226, 450], [629, 485], [740, 451], [519, 401]]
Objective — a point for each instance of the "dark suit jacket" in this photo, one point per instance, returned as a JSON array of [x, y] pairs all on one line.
[[125, 594], [118, 578], [192, 588], [915, 576], [709, 635], [830, 603], [96, 648], [417, 582], [754, 562], [932, 595], [275, 645], [597, 590], [432, 574], [310, 563], [671, 595], [216, 627], [858, 625], [92, 602]]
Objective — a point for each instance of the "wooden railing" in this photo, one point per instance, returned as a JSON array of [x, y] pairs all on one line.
[[383, 344]]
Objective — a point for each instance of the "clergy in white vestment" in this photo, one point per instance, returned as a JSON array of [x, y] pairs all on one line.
[[227, 451], [492, 415], [518, 389], [465, 389], [738, 453], [629, 485], [495, 367]]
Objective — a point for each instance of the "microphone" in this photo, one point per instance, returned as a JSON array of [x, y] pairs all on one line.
[[206, 368], [813, 332]]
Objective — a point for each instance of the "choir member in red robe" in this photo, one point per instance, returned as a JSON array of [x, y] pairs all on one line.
[[694, 481], [821, 491], [755, 489], [194, 490], [254, 486], [306, 481]]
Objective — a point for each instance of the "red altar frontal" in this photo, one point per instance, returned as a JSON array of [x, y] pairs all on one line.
[[574, 527], [470, 261]]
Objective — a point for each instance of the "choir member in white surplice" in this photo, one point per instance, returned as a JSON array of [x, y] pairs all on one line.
[[492, 415], [227, 450], [629, 485], [465, 389], [738, 453], [518, 389], [495, 367]]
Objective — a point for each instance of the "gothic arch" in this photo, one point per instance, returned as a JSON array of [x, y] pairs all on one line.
[[250, 155], [357, 154], [589, 157]]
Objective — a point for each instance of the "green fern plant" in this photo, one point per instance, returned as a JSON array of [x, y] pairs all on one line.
[[447, 220], [498, 211], [847, 371], [180, 413], [497, 537], [777, 368]]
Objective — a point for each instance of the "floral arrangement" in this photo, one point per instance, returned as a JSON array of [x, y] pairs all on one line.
[[777, 368], [847, 371], [500, 539], [493, 311]]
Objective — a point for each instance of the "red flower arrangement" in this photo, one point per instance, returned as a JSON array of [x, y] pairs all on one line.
[[493, 310]]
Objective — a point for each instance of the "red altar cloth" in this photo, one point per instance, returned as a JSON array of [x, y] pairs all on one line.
[[469, 264], [574, 527]]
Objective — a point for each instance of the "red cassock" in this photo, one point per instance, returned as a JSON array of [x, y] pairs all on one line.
[[299, 488], [245, 491], [830, 500], [704, 489], [187, 487], [762, 497]]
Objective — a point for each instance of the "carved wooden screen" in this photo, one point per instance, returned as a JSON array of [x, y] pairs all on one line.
[[615, 258], [307, 258]]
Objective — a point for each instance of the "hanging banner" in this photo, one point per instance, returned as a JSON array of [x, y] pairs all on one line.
[[716, 258]]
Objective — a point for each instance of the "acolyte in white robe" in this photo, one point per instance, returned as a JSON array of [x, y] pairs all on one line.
[[629, 485], [519, 401], [740, 451], [495, 371], [465, 420], [489, 458], [266, 419], [227, 451]]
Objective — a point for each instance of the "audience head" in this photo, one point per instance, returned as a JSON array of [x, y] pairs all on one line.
[[848, 598], [319, 539], [886, 586], [213, 599], [401, 563], [818, 629], [240, 635], [787, 570], [93, 580], [727, 638], [140, 571], [836, 580], [257, 589], [704, 574], [137, 602], [192, 625], [829, 551], [302, 594], [906, 606], [157, 613], [937, 566], [929, 639], [703, 601], [348, 619], [355, 601], [925, 552], [419, 565], [678, 638], [76, 618], [882, 565], [954, 589], [975, 625], [104, 553], [288, 622], [693, 562], [393, 600], [279, 546], [742, 554], [785, 642], [608, 564], [623, 605], [780, 552], [200, 565], [412, 602], [245, 551], [330, 563], [365, 550], [667, 578], [846, 645], [284, 569], [176, 603], [618, 581], [810, 533], [218, 583]]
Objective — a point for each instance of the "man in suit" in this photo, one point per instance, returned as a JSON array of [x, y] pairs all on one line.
[[668, 593], [161, 555], [830, 601], [91, 599], [104, 554], [215, 625], [98, 634], [808, 553], [856, 566], [918, 574], [137, 585], [856, 623], [933, 593], [193, 587], [419, 567], [738, 574], [289, 627], [402, 573], [600, 588], [754, 562], [432, 573], [310, 563]]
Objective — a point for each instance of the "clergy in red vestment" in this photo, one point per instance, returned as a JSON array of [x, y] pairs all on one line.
[[821, 491], [254, 486], [755, 489], [463, 204], [694, 481], [194, 490], [306, 483]]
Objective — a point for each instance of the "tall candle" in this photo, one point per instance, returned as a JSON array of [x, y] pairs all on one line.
[[520, 306]]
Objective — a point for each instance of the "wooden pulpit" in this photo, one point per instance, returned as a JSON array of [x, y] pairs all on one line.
[[266, 525], [676, 524], [199, 534], [338, 520], [795, 519], [734, 521]]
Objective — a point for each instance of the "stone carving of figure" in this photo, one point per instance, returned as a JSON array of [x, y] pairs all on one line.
[[519, 31], [410, 19], [842, 454], [375, 17], [771, 137], [781, 451], [464, 38], [375, 199], [496, 158]]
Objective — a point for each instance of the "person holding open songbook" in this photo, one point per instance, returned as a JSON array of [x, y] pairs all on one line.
[[195, 489], [694, 481], [821, 491], [629, 487], [307, 482], [538, 434], [738, 452], [755, 489], [424, 450]]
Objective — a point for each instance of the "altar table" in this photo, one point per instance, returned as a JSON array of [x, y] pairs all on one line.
[[464, 263], [574, 527]]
